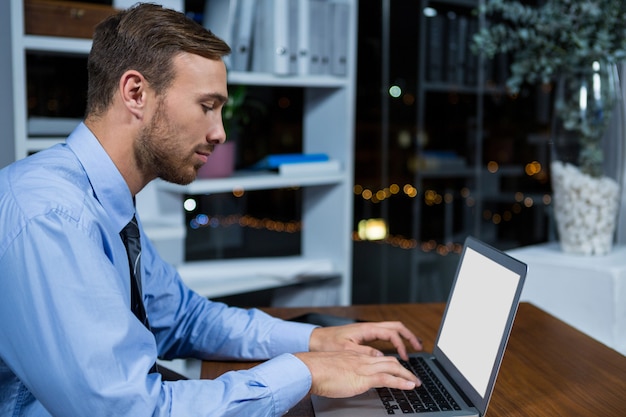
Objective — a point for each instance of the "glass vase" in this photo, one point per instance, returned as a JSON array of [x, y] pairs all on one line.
[[586, 167]]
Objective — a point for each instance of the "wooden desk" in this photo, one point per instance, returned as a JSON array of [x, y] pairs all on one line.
[[549, 369]]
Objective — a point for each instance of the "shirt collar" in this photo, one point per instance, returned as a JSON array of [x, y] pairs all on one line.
[[108, 185]]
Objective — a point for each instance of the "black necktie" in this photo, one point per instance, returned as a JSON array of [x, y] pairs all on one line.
[[130, 237]]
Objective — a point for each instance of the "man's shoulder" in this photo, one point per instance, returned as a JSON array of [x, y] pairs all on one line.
[[44, 180]]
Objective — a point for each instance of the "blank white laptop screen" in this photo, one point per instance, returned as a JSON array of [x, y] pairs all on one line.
[[476, 318]]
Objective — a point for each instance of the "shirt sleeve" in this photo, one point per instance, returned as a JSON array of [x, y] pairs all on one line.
[[188, 325], [268, 389], [69, 336]]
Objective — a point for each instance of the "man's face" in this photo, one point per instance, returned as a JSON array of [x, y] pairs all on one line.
[[186, 122]]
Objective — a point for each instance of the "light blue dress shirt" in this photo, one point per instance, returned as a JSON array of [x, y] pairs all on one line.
[[69, 343]]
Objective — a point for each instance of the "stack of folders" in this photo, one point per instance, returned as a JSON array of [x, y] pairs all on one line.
[[298, 164], [282, 37]]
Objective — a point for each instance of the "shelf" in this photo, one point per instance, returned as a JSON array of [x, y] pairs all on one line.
[[41, 143], [447, 87], [251, 180], [448, 172], [327, 127], [262, 79], [73, 46], [236, 276], [57, 45]]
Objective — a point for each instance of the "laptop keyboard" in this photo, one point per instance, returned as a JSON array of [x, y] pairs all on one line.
[[430, 396]]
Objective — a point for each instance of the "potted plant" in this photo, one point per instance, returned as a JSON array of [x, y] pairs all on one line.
[[234, 113], [573, 46]]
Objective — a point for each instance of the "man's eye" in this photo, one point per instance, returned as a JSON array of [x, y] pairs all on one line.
[[206, 108]]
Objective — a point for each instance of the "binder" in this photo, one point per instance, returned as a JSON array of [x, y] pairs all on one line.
[[310, 168], [274, 161], [292, 23], [242, 44], [271, 49], [435, 36], [304, 31], [319, 38], [452, 47], [471, 59], [461, 49], [340, 21], [220, 17]]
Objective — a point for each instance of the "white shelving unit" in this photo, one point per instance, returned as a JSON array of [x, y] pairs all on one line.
[[327, 127]]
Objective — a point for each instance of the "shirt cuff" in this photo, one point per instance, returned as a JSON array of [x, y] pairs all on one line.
[[288, 386], [291, 337]]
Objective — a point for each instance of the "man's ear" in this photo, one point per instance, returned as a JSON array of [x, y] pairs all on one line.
[[133, 88]]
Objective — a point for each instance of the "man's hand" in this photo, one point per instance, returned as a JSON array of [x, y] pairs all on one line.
[[352, 337], [347, 373]]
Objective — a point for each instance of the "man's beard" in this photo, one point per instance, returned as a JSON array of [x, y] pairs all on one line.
[[158, 152]]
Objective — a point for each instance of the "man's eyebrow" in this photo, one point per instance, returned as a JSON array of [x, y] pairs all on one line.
[[214, 96]]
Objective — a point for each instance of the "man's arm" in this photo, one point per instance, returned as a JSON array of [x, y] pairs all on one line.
[[188, 325], [70, 337]]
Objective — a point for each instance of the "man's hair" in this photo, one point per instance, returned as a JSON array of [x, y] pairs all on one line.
[[145, 38]]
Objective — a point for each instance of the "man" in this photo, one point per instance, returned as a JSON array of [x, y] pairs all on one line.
[[72, 343]]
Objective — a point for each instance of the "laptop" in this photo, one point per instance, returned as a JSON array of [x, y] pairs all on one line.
[[468, 349]]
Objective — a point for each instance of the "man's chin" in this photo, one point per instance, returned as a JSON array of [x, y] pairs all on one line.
[[185, 179]]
